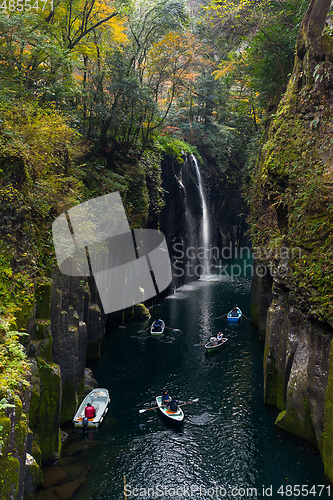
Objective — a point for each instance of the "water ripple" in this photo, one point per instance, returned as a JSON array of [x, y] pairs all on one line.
[[203, 419]]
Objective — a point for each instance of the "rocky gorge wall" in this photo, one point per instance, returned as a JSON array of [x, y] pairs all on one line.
[[298, 369], [65, 329], [291, 227]]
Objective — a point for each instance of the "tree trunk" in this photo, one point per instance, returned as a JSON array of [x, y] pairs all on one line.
[[311, 29]]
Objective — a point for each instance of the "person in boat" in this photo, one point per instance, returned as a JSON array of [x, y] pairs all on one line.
[[158, 325], [90, 411], [173, 404], [234, 312], [219, 337], [165, 397], [213, 340]]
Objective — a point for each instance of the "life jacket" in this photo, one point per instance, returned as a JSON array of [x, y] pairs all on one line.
[[89, 412], [165, 398]]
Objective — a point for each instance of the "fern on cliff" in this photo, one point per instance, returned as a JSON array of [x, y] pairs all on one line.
[[13, 361]]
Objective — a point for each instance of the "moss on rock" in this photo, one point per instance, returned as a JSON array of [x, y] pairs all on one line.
[[4, 432], [300, 425], [13, 432], [10, 468], [49, 410], [36, 452], [43, 298], [141, 312], [68, 401], [33, 476]]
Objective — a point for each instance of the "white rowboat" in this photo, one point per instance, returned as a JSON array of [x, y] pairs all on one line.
[[175, 417], [99, 399], [215, 345]]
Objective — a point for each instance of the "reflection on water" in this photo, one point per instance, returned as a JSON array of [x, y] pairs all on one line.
[[228, 438]]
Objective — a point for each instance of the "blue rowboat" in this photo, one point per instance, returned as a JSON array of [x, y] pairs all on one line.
[[234, 315], [157, 329]]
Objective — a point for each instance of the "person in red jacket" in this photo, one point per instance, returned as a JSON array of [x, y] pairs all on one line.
[[90, 411]]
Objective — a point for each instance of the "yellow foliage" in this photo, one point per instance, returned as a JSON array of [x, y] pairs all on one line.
[[40, 138], [93, 17], [227, 68], [173, 54], [87, 28]]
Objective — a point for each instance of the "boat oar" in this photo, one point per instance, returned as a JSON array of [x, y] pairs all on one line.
[[141, 331], [203, 343], [245, 317], [173, 329], [155, 407], [147, 409], [221, 316], [188, 402]]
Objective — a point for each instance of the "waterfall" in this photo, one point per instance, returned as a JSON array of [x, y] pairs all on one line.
[[187, 221], [197, 219], [204, 230]]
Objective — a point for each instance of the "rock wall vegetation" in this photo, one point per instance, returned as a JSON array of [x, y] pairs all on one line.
[[50, 323], [291, 221]]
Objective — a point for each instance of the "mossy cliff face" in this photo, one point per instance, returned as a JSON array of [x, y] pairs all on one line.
[[77, 326], [291, 221], [44, 414], [45, 409], [296, 365], [261, 294], [13, 422]]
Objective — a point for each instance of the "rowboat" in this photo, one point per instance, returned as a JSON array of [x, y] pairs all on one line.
[[99, 399], [214, 345], [234, 315], [157, 330], [176, 417]]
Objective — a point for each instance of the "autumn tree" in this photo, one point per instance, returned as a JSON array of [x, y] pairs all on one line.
[[39, 48], [133, 91], [256, 44]]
